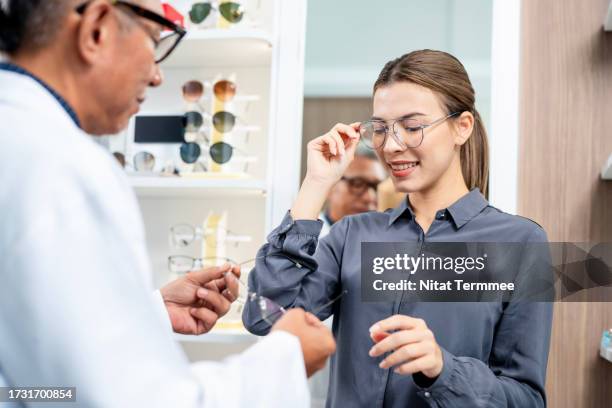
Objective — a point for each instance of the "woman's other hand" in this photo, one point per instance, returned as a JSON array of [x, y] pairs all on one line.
[[413, 346]]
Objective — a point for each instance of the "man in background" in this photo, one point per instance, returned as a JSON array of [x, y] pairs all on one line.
[[76, 303], [356, 192]]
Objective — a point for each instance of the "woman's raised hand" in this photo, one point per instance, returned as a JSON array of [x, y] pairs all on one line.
[[329, 155]]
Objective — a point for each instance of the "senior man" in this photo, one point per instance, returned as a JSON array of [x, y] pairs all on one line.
[[76, 303]]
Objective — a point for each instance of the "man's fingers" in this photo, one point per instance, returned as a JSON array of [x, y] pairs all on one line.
[[218, 302], [232, 290], [398, 322], [313, 320], [206, 275], [207, 317]]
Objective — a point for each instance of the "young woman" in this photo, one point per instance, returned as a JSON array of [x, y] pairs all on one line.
[[428, 135]]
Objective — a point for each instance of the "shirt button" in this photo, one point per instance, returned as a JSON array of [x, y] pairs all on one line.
[[298, 265], [427, 394]]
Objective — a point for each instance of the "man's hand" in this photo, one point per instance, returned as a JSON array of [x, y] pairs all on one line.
[[196, 300], [413, 345], [316, 340]]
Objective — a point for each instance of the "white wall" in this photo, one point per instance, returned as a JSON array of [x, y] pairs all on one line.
[[349, 41]]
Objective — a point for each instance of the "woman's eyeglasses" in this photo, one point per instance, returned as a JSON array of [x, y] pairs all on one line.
[[169, 40], [407, 132]]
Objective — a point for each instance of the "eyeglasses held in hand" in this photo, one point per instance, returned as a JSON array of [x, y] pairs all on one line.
[[407, 132], [270, 311], [230, 11], [169, 39]]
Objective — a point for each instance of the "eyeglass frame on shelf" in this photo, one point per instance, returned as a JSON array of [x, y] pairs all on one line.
[[199, 233]]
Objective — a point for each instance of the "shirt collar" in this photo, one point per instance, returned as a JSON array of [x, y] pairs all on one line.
[[461, 211], [7, 66]]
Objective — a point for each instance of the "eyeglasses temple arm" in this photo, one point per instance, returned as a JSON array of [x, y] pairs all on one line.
[[331, 302]]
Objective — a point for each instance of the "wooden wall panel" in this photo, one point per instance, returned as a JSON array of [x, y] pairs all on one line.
[[566, 136]]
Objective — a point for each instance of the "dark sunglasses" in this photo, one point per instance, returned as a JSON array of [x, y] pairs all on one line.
[[230, 11], [193, 121], [167, 43], [220, 152], [224, 121], [358, 185]]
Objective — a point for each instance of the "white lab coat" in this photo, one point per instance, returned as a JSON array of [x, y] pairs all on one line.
[[77, 306]]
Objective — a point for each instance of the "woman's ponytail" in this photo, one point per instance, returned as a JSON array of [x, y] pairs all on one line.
[[474, 157]]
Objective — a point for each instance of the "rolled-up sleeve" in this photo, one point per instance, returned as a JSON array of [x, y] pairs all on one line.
[[516, 371], [295, 269]]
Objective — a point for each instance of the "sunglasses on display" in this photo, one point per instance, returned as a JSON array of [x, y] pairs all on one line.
[[170, 38], [407, 132], [144, 162], [359, 185], [222, 121], [220, 152], [183, 235], [193, 121], [224, 90], [230, 11]]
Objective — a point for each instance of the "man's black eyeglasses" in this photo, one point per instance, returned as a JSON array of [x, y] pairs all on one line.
[[358, 185], [167, 43]]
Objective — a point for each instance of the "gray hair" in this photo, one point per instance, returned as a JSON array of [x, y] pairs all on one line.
[[31, 24], [364, 151]]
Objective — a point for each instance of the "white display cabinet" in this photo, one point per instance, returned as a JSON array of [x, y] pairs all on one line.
[[264, 55]]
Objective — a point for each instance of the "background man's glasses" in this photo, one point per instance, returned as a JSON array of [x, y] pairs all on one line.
[[407, 132], [359, 185], [170, 38]]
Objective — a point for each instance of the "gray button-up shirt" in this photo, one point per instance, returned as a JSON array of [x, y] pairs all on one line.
[[494, 354]]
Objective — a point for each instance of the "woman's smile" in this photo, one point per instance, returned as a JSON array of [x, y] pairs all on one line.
[[402, 168]]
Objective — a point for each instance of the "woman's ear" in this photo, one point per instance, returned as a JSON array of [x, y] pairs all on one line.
[[464, 124]]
